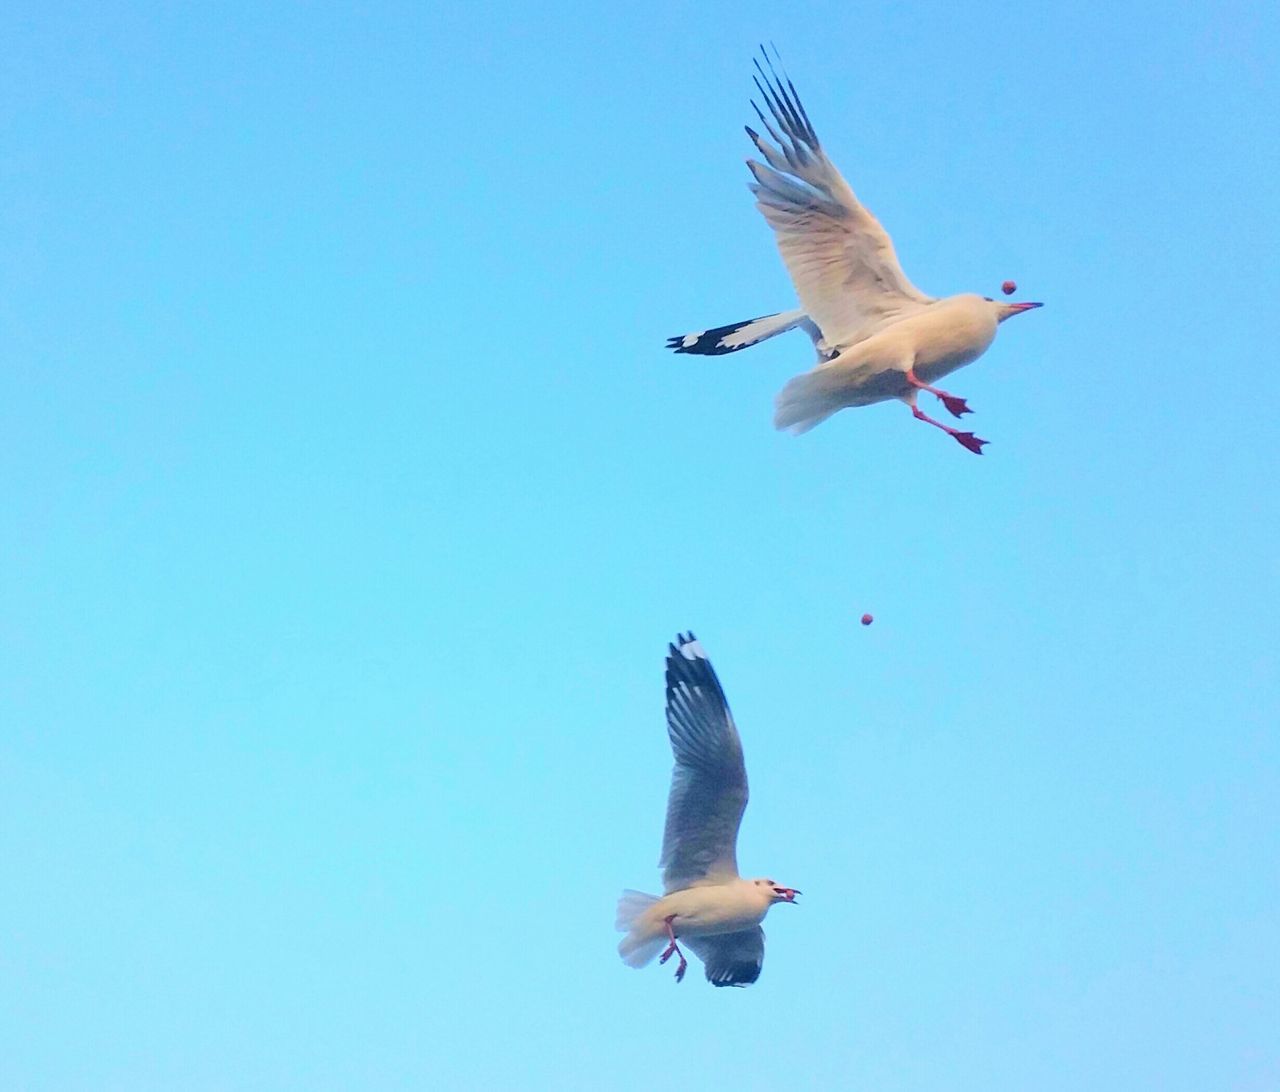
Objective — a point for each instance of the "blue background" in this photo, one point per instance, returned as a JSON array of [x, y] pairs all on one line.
[[350, 499]]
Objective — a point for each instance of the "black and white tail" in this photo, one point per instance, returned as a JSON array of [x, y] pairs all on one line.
[[739, 335]]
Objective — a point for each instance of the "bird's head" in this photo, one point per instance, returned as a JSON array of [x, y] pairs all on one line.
[[776, 892], [1008, 310]]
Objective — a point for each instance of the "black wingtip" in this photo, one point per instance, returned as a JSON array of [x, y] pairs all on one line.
[[740, 977], [714, 342], [678, 344], [783, 101], [675, 650]]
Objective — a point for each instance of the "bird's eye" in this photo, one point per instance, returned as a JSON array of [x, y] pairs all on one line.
[[988, 299]]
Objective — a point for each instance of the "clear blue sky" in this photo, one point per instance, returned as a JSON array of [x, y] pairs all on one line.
[[350, 499]]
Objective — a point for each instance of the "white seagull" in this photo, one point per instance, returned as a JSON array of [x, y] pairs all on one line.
[[707, 905], [878, 337]]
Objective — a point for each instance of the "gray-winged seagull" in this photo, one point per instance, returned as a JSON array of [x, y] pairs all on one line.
[[707, 905]]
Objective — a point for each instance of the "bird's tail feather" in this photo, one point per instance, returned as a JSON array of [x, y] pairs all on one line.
[[631, 905], [737, 335], [804, 402], [639, 946]]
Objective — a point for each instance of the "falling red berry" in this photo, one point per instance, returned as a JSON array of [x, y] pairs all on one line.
[[1009, 287], [867, 619]]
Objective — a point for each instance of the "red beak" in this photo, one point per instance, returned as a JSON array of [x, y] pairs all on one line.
[[1019, 307], [788, 893]]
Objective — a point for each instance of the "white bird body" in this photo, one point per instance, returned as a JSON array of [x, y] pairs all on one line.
[[929, 343], [877, 336], [707, 905], [707, 909], [944, 336]]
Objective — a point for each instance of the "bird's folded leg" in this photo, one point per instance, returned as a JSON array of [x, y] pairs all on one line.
[[965, 439], [956, 405], [674, 949]]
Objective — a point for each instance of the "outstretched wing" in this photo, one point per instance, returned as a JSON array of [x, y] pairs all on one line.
[[742, 335], [731, 959], [841, 260], [709, 783]]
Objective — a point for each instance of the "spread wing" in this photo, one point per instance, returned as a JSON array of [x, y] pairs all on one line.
[[709, 783], [841, 260], [731, 959]]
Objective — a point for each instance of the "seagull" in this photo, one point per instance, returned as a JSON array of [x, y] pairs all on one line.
[[877, 336], [706, 904]]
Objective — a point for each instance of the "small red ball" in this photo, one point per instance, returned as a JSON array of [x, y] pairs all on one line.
[[867, 619], [1009, 287]]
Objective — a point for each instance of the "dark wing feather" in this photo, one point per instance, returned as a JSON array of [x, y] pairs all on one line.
[[731, 959], [709, 783]]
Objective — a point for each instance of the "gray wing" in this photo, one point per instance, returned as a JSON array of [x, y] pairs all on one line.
[[709, 783], [731, 959], [841, 260], [825, 352]]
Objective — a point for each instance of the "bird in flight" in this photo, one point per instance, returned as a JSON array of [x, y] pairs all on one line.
[[707, 906], [877, 336]]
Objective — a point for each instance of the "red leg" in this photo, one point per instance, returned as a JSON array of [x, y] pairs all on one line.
[[965, 439], [674, 949], [956, 406]]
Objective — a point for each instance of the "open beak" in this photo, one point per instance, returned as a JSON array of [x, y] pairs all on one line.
[[788, 893]]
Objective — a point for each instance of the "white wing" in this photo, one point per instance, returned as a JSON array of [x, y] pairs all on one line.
[[841, 260], [709, 783], [731, 959]]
